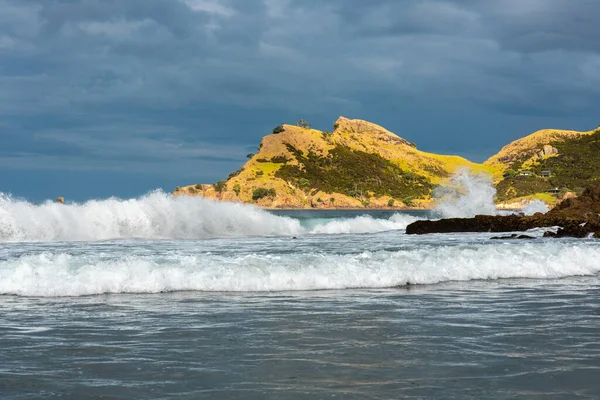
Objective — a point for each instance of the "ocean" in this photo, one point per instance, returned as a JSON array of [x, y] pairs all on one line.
[[185, 298]]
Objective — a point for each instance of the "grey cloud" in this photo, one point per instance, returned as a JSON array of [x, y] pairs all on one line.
[[85, 75]]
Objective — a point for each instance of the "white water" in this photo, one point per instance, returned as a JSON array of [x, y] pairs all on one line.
[[61, 274], [469, 194], [161, 216]]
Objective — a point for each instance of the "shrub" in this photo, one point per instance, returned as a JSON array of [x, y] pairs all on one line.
[[391, 203], [319, 200], [332, 200], [260, 173], [278, 129], [335, 126], [509, 173], [192, 190], [303, 124], [219, 186], [177, 188], [261, 192], [236, 189], [198, 186], [249, 155], [279, 159], [235, 173]]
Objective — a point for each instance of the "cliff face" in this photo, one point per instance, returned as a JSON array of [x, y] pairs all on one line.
[[359, 164]]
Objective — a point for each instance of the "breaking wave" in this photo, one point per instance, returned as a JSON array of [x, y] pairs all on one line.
[[62, 274], [468, 194], [158, 215]]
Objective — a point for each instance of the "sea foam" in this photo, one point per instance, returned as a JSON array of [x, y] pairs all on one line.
[[159, 215], [62, 274]]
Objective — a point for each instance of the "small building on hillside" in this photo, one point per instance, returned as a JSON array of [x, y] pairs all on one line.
[[546, 173], [525, 173], [555, 191]]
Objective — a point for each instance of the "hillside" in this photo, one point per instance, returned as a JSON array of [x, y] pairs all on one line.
[[361, 164], [358, 164], [548, 161]]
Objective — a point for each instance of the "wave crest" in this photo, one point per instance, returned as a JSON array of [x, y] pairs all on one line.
[[61, 274], [159, 215]]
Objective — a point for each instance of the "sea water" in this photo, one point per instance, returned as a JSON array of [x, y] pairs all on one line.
[[161, 297]]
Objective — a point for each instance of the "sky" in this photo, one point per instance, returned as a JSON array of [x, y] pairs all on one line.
[[103, 98]]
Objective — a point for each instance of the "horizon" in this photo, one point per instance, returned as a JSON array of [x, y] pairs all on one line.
[[106, 100]]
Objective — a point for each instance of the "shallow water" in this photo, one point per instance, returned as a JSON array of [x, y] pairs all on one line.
[[305, 305], [501, 340]]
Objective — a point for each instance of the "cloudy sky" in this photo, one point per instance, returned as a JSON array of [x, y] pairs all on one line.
[[118, 97]]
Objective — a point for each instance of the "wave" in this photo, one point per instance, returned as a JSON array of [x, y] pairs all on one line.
[[158, 215], [62, 274], [468, 194]]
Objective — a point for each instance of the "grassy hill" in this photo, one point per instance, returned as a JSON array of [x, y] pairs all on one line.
[[357, 164], [547, 160], [361, 164]]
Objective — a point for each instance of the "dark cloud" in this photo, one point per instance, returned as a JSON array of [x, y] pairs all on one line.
[[161, 86]]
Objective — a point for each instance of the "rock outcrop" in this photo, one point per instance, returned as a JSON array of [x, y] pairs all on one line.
[[575, 217]]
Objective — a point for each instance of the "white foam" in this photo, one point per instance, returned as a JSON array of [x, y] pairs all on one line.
[[160, 216], [469, 194], [365, 224], [156, 215], [466, 195], [535, 206], [60, 274]]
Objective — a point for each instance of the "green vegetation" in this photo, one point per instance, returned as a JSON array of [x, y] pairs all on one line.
[[279, 159], [249, 155], [198, 186], [575, 167], [354, 173], [220, 186], [520, 186], [236, 189], [391, 203], [303, 124], [235, 173], [578, 164], [261, 192], [278, 129]]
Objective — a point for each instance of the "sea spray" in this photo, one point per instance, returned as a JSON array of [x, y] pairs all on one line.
[[468, 194], [535, 206], [156, 215], [159, 215]]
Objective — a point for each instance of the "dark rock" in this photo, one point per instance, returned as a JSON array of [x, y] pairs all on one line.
[[513, 236], [576, 217]]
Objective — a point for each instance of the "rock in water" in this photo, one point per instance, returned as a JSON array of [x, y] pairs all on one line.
[[575, 217]]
